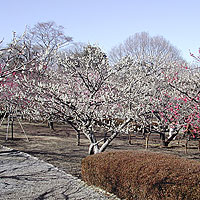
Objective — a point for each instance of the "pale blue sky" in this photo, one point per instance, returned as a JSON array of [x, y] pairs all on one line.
[[108, 22]]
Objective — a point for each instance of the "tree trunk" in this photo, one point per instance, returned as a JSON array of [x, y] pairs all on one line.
[[78, 133], [186, 145], [147, 140], [51, 125], [129, 138], [171, 138], [12, 128], [108, 141], [94, 147], [113, 136], [105, 137], [8, 125], [78, 136], [163, 142], [143, 132]]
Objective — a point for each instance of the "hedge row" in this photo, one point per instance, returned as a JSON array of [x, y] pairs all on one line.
[[143, 175]]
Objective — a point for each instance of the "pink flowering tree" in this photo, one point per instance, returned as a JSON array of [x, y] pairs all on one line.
[[178, 101], [25, 60], [164, 95], [14, 61], [19, 62], [187, 87]]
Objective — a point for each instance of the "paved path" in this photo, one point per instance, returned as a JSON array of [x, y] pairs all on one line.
[[25, 177]]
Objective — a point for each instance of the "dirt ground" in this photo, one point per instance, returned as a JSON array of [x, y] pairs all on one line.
[[59, 148]]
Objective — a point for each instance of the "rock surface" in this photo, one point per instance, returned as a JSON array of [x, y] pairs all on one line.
[[25, 177]]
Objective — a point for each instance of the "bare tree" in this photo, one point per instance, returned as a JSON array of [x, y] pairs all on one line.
[[143, 47], [48, 35], [46, 38], [75, 48]]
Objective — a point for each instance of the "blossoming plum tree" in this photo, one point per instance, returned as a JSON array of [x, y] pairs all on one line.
[[178, 102], [85, 91], [81, 93]]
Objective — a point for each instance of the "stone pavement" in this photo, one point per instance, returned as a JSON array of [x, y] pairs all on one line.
[[23, 177]]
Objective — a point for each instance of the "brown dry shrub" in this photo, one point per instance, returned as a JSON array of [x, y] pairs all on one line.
[[143, 175]]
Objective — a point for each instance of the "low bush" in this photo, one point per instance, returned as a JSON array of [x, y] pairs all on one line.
[[143, 175]]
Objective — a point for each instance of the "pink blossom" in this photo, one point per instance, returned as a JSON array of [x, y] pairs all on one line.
[[185, 99]]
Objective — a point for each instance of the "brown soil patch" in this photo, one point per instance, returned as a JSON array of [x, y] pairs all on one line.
[[59, 147]]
